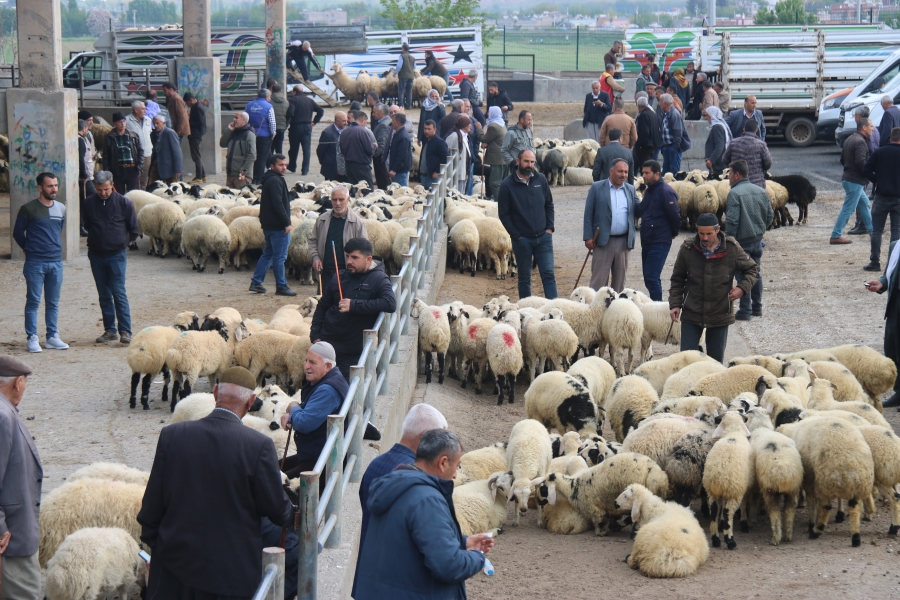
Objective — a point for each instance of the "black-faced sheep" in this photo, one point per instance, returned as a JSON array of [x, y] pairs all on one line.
[[564, 403], [147, 356], [630, 401]]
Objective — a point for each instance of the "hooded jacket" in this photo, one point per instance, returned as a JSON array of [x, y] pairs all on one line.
[[414, 548], [111, 224], [280, 106], [275, 205]]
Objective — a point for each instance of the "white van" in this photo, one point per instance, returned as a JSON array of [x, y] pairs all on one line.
[[883, 80]]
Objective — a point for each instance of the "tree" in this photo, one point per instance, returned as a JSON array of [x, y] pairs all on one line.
[[98, 21], [410, 14], [792, 12], [765, 16], [74, 20], [694, 7], [149, 11]]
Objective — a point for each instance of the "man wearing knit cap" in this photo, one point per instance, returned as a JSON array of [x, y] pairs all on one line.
[[20, 490], [211, 481], [123, 155]]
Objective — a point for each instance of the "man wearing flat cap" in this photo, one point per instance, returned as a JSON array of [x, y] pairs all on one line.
[[211, 481], [20, 490], [123, 155]]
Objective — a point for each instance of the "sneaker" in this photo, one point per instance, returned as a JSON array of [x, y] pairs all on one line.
[[108, 336], [54, 343], [34, 345], [83, 232], [757, 313], [872, 266], [891, 402], [285, 291], [125, 338], [258, 288], [840, 240], [741, 316], [858, 230]]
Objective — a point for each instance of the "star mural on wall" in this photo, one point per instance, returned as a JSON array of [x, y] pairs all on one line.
[[461, 54], [458, 77]]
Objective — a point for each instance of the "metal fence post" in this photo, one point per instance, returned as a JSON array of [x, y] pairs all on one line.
[[395, 330], [274, 556], [504, 46], [577, 44], [334, 469], [308, 543], [356, 441]]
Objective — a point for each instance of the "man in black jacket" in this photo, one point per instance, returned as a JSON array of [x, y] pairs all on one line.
[[648, 136], [111, 223], [596, 108], [468, 92], [344, 312], [326, 151], [197, 121], [275, 219], [660, 224], [399, 156], [123, 155], [210, 483], [609, 154], [302, 115], [525, 206], [358, 145], [497, 97], [434, 154], [381, 128], [881, 169]]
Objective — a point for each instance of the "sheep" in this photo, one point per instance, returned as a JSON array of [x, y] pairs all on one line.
[[246, 234], [434, 336], [681, 383], [204, 236], [560, 517], [344, 83], [554, 165], [658, 372], [733, 381], [494, 245], [658, 324], [885, 447], [684, 406], [465, 241], [623, 327], [727, 475], [481, 505], [110, 471], [289, 319], [846, 387], [532, 302], [685, 464], [798, 376], [438, 84], [163, 223], [595, 373], [630, 401], [593, 492], [769, 363], [685, 191], [254, 325], [743, 403], [480, 463], [778, 196], [821, 398], [670, 541], [458, 318], [551, 340], [298, 252], [800, 192], [193, 407], [280, 438], [584, 294], [504, 354], [378, 235], [595, 450], [837, 463], [528, 456], [265, 353], [87, 503], [147, 356], [874, 371], [564, 403], [474, 351], [297, 359], [226, 314], [93, 563], [196, 354], [240, 211], [778, 471], [579, 176], [657, 438], [705, 200], [782, 407], [585, 319]]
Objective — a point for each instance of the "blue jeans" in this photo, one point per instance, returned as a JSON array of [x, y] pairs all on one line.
[[299, 136], [716, 339], [426, 181], [273, 256], [653, 258], [46, 276], [854, 195], [541, 248], [404, 92], [671, 159], [470, 184], [401, 178], [109, 276], [755, 252], [447, 81]]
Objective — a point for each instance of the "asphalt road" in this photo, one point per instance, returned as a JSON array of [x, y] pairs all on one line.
[[820, 163]]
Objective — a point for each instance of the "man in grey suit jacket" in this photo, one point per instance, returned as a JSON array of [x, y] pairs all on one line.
[[20, 490], [610, 153], [609, 214]]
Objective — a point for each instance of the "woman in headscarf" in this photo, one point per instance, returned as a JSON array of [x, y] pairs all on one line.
[[492, 141], [717, 141], [682, 86], [433, 109], [458, 140]]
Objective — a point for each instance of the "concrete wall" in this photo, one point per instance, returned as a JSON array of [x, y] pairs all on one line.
[[556, 89], [4, 124]]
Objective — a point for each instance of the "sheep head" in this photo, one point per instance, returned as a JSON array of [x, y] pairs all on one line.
[[501, 482], [545, 489], [522, 490]]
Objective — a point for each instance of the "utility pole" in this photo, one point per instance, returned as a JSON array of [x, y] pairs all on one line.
[[712, 13]]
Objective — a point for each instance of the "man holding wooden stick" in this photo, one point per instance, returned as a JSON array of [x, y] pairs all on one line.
[[336, 225]]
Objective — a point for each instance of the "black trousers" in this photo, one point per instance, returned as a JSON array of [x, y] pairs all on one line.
[[130, 179], [716, 338], [163, 585], [299, 136], [641, 155], [382, 180], [263, 148], [194, 143], [277, 141], [357, 172]]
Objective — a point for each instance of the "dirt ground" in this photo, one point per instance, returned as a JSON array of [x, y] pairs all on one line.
[[76, 404]]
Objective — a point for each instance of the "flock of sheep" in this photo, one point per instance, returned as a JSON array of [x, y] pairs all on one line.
[[386, 85]]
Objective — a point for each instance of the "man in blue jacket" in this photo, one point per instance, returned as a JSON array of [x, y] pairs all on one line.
[[399, 157], [434, 154], [414, 548], [262, 123], [660, 224]]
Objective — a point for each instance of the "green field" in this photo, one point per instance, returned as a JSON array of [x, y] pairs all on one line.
[[554, 49]]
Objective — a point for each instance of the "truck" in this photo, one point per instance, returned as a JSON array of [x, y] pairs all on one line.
[[791, 70], [883, 80]]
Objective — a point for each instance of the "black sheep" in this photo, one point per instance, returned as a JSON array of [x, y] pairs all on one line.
[[800, 192]]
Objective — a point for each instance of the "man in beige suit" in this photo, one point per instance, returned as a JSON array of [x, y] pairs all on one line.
[[338, 225]]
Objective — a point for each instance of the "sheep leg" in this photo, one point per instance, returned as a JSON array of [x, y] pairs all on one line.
[[222, 263], [440, 357], [145, 391], [176, 385], [840, 516], [773, 507], [167, 379], [855, 513], [894, 499], [472, 262], [790, 507], [716, 514], [464, 373], [868, 508], [501, 380], [511, 383], [746, 509], [135, 378], [819, 510], [428, 360], [731, 505], [479, 376]]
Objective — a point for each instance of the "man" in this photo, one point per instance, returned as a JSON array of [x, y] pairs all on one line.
[[381, 128], [889, 120], [85, 168], [619, 120], [643, 79], [122, 155], [399, 155], [652, 102], [724, 97], [612, 57], [275, 220], [747, 216], [414, 548], [211, 481], [280, 108], [473, 137], [358, 146], [889, 283], [434, 154], [654, 71], [873, 144], [326, 149], [140, 125], [608, 82], [649, 138], [699, 97], [496, 97], [341, 319], [596, 108], [492, 142], [710, 96], [468, 92], [241, 156], [749, 148], [397, 109], [405, 70], [434, 67], [609, 215], [881, 169], [609, 154], [660, 224], [337, 225], [674, 135], [449, 121], [21, 475], [111, 222], [39, 225], [262, 121], [525, 207], [420, 419], [177, 110], [302, 55], [169, 160], [701, 291], [519, 137], [153, 108], [197, 121], [737, 118], [321, 395], [302, 115], [854, 154]]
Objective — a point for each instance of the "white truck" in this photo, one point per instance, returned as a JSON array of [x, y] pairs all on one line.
[[884, 79]]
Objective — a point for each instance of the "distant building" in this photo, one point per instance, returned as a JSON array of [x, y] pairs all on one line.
[[331, 16], [846, 13]]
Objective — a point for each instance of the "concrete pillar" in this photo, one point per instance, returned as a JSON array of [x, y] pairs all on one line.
[[40, 44], [200, 77], [276, 39], [197, 33]]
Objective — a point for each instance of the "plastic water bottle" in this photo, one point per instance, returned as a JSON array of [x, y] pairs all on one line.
[[488, 567]]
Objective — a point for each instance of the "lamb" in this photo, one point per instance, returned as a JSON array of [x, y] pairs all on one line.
[[727, 475], [298, 252], [579, 176], [585, 319], [378, 235], [480, 463], [623, 327], [685, 465], [93, 563], [504, 353], [564, 403], [289, 319], [196, 354], [239, 211], [658, 438], [434, 336], [162, 222], [560, 517], [528, 455], [551, 340], [670, 541], [87, 503], [266, 353], [584, 294], [658, 324], [630, 401], [885, 447], [727, 385], [474, 351], [465, 241], [800, 192], [481, 505], [110, 471], [554, 165], [494, 245], [658, 372], [147, 356], [779, 476], [846, 387], [595, 373], [204, 236], [782, 407], [821, 398], [246, 234], [458, 318]]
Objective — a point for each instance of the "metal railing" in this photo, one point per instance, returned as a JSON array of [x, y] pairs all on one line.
[[272, 585], [320, 521]]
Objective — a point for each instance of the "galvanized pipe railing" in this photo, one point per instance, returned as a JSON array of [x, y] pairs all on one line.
[[320, 517]]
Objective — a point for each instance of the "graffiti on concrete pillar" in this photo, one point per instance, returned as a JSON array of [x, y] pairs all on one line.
[[275, 39], [194, 78], [36, 145]]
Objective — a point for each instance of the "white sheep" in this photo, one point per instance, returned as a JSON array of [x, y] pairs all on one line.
[[658, 372], [821, 398], [846, 387], [657, 438], [584, 294], [112, 472], [434, 336], [193, 407], [480, 463], [93, 563], [727, 475], [271, 430], [597, 374], [623, 328], [246, 234], [685, 465], [465, 242], [730, 383], [196, 354], [658, 324], [474, 351], [579, 176], [299, 256], [528, 455], [458, 318], [551, 339], [162, 222], [239, 211], [630, 401], [266, 353], [680, 384], [289, 319], [885, 447], [562, 402], [778, 471], [146, 356], [481, 505], [494, 245], [504, 354], [686, 406], [204, 236], [560, 517], [585, 319]]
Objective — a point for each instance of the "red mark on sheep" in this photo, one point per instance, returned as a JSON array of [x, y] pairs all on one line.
[[436, 314], [473, 332], [509, 339]]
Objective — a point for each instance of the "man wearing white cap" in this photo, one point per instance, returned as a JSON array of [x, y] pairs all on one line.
[[301, 52]]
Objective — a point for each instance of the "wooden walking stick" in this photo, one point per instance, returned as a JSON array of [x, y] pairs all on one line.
[[320, 282], [337, 274], [284, 458], [482, 180], [584, 264]]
